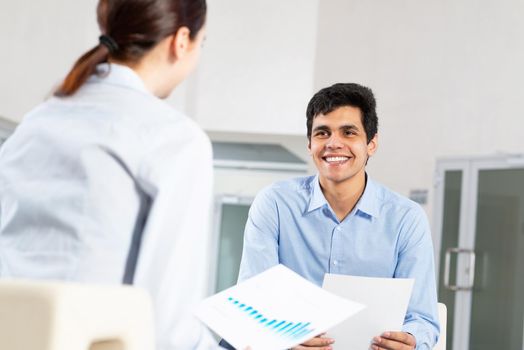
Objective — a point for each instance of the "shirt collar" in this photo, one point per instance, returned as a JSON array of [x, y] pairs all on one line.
[[317, 198], [367, 204], [116, 74]]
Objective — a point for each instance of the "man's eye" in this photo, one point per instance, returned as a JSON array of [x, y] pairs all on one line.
[[321, 133]]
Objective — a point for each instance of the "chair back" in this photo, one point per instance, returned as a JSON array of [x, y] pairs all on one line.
[[66, 316], [442, 316]]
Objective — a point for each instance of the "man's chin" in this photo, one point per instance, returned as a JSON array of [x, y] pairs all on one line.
[[335, 179], [338, 178]]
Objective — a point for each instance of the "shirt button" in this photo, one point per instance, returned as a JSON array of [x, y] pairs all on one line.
[[335, 262], [339, 228]]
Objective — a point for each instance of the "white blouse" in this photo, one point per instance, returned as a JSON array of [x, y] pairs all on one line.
[[77, 176]]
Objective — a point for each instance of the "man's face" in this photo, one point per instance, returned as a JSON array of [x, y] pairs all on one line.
[[339, 145]]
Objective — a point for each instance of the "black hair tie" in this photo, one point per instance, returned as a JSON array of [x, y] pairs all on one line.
[[108, 42]]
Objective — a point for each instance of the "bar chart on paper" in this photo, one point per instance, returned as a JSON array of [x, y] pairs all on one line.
[[282, 328], [277, 309]]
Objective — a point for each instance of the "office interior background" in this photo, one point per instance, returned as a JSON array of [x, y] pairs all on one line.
[[447, 76]]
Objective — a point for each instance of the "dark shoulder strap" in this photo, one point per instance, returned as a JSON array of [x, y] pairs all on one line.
[[136, 240], [226, 345]]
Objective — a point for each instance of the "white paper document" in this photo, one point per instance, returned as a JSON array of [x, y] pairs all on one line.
[[386, 300], [276, 309]]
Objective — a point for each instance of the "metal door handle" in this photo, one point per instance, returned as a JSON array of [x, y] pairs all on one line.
[[471, 268]]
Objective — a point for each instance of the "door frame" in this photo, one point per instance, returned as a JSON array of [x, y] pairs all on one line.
[[470, 167], [219, 201]]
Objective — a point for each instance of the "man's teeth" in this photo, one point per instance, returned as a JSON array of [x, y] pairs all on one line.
[[336, 159]]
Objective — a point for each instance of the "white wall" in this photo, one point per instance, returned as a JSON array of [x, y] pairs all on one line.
[[447, 75], [40, 42], [256, 73]]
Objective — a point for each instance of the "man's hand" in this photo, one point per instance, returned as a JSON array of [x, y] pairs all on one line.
[[320, 342], [394, 341]]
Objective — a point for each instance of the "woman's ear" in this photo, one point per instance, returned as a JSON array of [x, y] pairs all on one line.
[[101, 14], [181, 42]]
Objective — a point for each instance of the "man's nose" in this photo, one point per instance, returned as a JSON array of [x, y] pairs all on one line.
[[334, 142]]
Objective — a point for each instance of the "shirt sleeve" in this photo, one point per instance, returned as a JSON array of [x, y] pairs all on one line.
[[260, 250], [416, 261], [172, 264]]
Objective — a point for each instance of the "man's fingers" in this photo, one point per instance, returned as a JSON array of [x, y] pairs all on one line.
[[394, 341], [386, 344], [300, 347], [402, 337], [317, 343]]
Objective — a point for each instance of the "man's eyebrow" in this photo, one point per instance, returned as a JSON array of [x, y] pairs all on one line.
[[321, 127], [342, 127], [349, 127]]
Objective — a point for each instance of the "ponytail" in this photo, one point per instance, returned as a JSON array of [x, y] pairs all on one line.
[[84, 67], [130, 29]]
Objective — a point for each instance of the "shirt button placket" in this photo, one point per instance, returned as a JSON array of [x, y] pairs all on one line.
[[335, 260]]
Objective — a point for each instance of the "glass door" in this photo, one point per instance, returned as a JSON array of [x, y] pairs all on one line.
[[451, 245], [497, 300], [480, 243], [231, 214], [449, 240]]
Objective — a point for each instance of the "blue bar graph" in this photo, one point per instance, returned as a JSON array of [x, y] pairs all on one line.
[[283, 328], [278, 324]]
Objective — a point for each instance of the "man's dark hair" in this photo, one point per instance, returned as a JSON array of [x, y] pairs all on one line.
[[344, 94]]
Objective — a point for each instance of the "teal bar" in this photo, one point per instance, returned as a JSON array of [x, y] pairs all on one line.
[[286, 326], [291, 329], [270, 323], [303, 332], [301, 328], [279, 324]]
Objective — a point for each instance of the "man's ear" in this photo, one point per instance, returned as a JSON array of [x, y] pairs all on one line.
[[373, 145], [309, 146], [180, 44]]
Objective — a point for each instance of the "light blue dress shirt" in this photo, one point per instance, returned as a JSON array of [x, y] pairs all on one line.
[[77, 175], [386, 235]]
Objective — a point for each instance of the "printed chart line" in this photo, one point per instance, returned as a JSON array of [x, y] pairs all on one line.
[[279, 327]]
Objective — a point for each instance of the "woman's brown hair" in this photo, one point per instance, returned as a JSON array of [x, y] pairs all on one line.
[[130, 29]]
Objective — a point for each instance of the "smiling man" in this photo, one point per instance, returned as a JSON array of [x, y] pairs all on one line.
[[340, 221]]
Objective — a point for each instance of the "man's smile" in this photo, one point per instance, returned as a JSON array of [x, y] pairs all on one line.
[[336, 159]]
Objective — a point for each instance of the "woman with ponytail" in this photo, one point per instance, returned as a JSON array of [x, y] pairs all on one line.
[[105, 182]]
